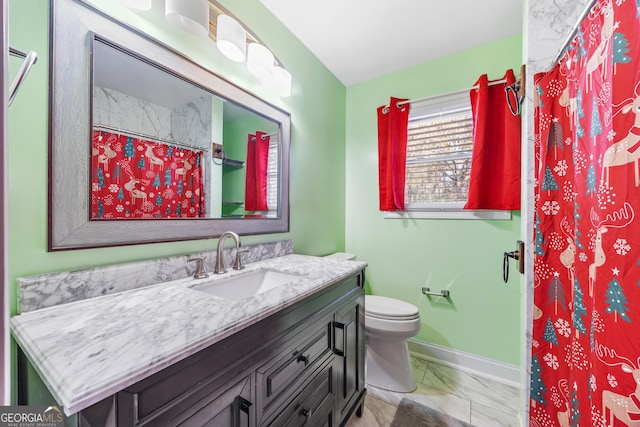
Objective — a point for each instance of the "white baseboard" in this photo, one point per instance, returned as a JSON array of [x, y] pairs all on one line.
[[489, 368]]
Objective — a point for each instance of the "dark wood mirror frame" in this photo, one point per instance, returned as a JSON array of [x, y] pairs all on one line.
[[71, 26]]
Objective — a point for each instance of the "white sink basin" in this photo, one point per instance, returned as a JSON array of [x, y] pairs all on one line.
[[245, 285]]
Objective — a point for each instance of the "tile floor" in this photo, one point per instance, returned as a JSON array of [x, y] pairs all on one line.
[[477, 400]]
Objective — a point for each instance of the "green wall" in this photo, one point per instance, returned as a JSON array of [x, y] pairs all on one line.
[[318, 135], [464, 256]]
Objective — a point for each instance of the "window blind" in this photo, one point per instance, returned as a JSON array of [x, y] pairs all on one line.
[[272, 176], [439, 147]]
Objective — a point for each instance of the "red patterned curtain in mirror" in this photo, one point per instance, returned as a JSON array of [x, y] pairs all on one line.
[[138, 178]]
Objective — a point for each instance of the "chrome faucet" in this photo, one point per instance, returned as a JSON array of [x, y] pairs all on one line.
[[200, 272], [237, 265]]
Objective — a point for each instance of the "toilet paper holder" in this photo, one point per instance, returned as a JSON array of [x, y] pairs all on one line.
[[443, 293]]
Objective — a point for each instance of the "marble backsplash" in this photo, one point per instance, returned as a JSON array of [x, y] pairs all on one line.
[[46, 290]]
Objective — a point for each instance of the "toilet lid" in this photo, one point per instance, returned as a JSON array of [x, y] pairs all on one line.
[[389, 308]]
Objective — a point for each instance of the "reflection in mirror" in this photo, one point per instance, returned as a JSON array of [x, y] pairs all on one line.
[[148, 146], [152, 155]]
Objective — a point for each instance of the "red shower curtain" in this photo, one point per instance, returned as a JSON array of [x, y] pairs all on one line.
[[136, 178], [393, 124], [495, 165], [585, 367], [255, 192]]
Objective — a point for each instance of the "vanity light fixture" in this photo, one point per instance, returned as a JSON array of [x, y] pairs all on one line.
[[189, 15], [260, 61], [239, 44], [138, 4], [231, 38], [281, 81]]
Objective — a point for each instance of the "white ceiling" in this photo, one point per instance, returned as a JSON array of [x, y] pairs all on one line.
[[359, 40]]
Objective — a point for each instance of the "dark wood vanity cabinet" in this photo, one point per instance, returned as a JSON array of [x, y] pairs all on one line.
[[301, 366], [349, 347]]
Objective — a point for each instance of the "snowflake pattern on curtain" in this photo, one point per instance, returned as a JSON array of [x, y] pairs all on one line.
[[136, 178], [586, 331]]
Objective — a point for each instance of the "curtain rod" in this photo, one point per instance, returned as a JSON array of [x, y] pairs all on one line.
[[151, 137], [267, 134], [427, 98], [572, 34]]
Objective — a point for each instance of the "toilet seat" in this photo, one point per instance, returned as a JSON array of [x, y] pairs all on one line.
[[384, 308]]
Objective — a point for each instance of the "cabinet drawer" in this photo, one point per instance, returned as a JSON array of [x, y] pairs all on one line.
[[313, 405], [295, 363]]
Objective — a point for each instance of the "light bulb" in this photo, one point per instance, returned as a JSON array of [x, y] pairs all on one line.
[[189, 15], [231, 38]]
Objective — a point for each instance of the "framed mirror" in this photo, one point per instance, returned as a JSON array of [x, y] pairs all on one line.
[[148, 146]]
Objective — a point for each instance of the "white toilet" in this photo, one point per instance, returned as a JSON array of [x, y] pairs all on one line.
[[388, 324]]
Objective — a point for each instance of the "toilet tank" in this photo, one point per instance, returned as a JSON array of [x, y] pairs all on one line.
[[341, 256]]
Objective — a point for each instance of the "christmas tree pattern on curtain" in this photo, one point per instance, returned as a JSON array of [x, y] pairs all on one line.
[[585, 367], [136, 178]]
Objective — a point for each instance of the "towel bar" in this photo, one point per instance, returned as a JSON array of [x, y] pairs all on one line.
[[29, 59]]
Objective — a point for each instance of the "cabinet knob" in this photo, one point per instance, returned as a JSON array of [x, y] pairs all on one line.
[[304, 359], [304, 413]]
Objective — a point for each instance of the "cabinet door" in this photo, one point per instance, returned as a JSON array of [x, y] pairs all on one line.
[[231, 408], [348, 346], [214, 406]]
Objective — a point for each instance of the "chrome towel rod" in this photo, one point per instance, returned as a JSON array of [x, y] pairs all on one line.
[[30, 58], [16, 52]]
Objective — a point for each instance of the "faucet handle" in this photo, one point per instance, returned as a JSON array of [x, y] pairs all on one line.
[[238, 265], [200, 272]]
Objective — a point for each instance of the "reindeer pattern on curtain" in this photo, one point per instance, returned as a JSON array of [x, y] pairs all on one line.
[[135, 178], [586, 330]]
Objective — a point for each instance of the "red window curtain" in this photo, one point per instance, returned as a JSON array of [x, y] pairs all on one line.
[[392, 153], [255, 191], [495, 164], [585, 344], [136, 178]]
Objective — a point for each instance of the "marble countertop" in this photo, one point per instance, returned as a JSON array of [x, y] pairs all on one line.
[[87, 350]]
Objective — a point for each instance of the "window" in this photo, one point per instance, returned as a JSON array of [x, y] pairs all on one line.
[[272, 177], [439, 149]]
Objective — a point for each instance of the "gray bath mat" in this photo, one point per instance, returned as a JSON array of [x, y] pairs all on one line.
[[412, 414]]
